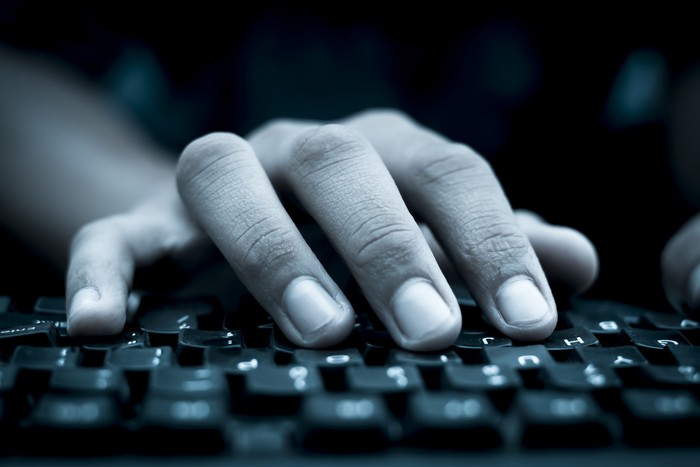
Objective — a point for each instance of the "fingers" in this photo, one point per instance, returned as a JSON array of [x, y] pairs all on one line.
[[680, 266], [105, 253], [98, 280], [456, 192], [566, 255], [223, 184], [344, 184]]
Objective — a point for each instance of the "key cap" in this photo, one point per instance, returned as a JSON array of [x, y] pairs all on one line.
[[331, 363], [38, 335], [186, 406], [654, 417], [278, 390], [430, 364], [349, 422], [394, 383], [162, 318], [452, 420], [555, 418], [499, 383], [192, 343], [470, 344]]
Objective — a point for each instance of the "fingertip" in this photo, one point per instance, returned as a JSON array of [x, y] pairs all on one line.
[[421, 318], [566, 255], [90, 313], [526, 313], [314, 318]]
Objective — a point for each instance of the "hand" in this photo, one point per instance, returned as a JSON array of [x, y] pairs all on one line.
[[361, 180], [106, 253], [680, 268]]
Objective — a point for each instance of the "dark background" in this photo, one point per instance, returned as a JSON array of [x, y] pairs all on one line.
[[529, 88]]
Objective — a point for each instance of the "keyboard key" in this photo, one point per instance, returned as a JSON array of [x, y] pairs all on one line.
[[611, 357], [470, 344], [499, 383], [653, 417], [192, 343], [279, 390], [42, 334], [348, 422], [554, 418], [527, 357], [452, 420]]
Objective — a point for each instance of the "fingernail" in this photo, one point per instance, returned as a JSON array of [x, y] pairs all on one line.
[[694, 288], [309, 306], [419, 309], [84, 298], [521, 302]]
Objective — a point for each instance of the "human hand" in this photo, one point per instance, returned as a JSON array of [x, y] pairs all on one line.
[[361, 180], [106, 253], [680, 268]]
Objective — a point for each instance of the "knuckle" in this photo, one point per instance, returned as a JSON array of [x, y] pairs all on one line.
[[448, 163], [491, 241], [204, 157], [266, 248], [382, 116], [323, 147], [379, 239]]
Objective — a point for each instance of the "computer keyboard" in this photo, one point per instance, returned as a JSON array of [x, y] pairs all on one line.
[[190, 382]]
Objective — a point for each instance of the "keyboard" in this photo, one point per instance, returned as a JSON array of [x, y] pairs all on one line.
[[190, 381]]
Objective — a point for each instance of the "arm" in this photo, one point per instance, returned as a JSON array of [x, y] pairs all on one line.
[[69, 156]]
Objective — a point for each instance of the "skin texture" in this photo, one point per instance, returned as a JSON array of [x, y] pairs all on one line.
[[405, 208]]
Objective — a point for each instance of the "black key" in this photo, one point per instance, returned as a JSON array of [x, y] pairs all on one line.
[[654, 417], [361, 422], [188, 382], [162, 318], [192, 343], [657, 340], [71, 412], [58, 420], [331, 363], [580, 377], [327, 358], [279, 390], [611, 357], [139, 359], [673, 377], [602, 383], [51, 306], [554, 418], [93, 349], [608, 329], [269, 439], [384, 380], [685, 355], [39, 335], [137, 363], [430, 364], [469, 344], [670, 321], [89, 381], [569, 338], [239, 361], [452, 420], [500, 383], [44, 358], [522, 358]]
